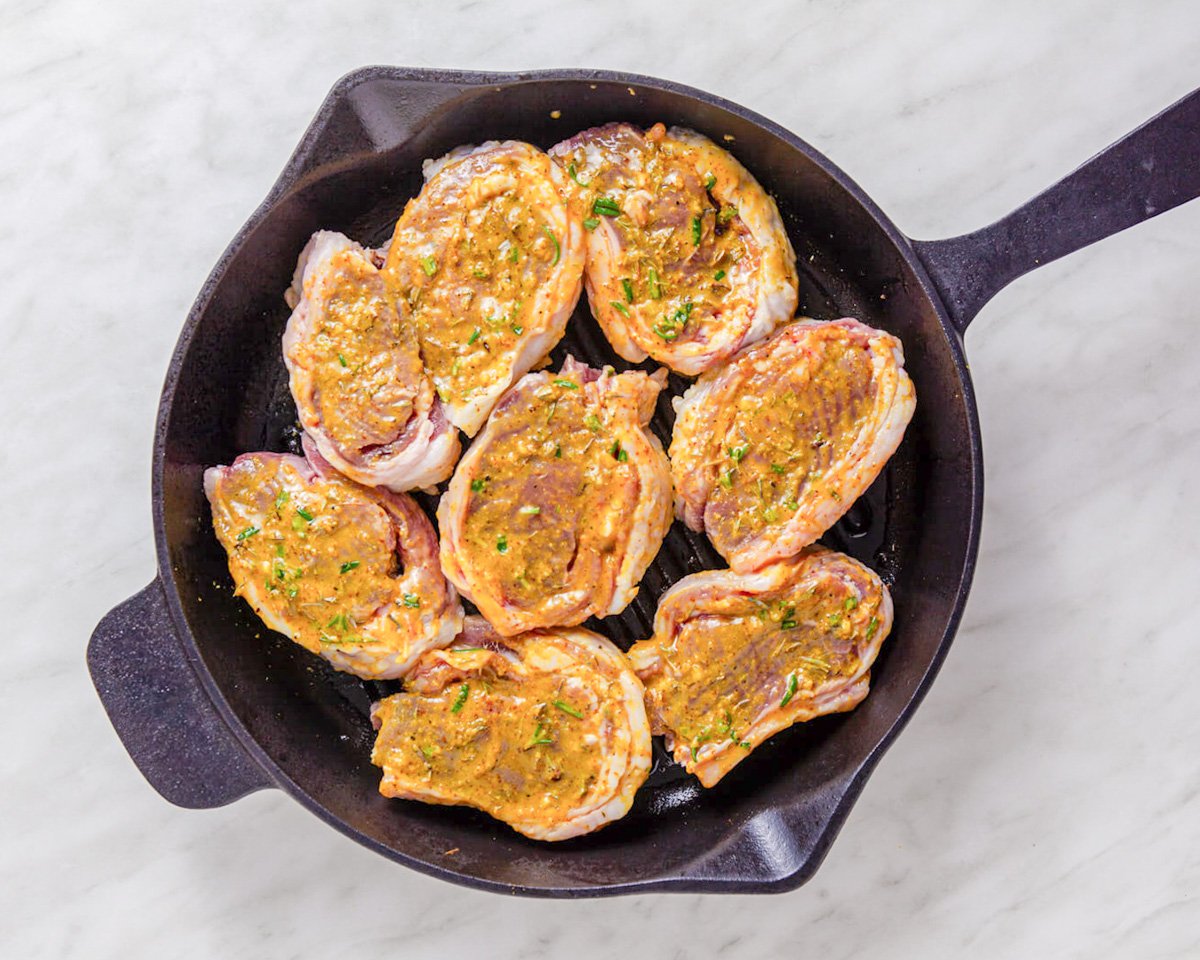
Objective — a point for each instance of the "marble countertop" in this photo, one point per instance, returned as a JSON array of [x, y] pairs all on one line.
[[1044, 802]]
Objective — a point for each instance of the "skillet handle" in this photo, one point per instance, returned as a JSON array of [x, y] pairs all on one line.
[[1153, 169], [160, 711]]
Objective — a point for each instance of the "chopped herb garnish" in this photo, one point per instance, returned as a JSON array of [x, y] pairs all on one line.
[[791, 503], [558, 451], [530, 510], [292, 591], [279, 549], [726, 480], [737, 453], [463, 691], [628, 288], [502, 544], [622, 456], [571, 172], [342, 361], [665, 331], [790, 692], [696, 231], [473, 337], [835, 619], [615, 448], [567, 708], [619, 307], [305, 514], [872, 627], [248, 532], [725, 214], [350, 565], [592, 422], [281, 498], [719, 275], [479, 273], [787, 624], [517, 329], [770, 515], [652, 281], [537, 736], [710, 181], [591, 223], [850, 603], [426, 752], [412, 600], [606, 207], [568, 384], [340, 622], [429, 265], [557, 248], [298, 524], [477, 485], [777, 468]]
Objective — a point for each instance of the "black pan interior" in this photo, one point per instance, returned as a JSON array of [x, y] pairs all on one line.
[[766, 823]]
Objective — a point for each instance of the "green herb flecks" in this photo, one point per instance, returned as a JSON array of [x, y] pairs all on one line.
[[653, 283], [872, 627], [502, 544], [606, 207], [566, 384], [429, 265], [557, 248], [567, 708], [530, 510], [710, 181], [628, 288], [350, 565], [719, 275], [412, 600], [697, 231], [248, 532], [461, 699], [790, 691], [619, 307], [592, 422], [342, 360], [473, 337], [591, 223]]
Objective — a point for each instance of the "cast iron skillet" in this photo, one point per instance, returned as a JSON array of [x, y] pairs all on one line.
[[212, 706]]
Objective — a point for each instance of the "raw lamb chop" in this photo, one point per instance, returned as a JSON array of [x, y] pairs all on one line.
[[546, 731], [769, 451], [687, 257], [737, 658]]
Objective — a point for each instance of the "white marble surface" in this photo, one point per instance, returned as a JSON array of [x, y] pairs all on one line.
[[1043, 802]]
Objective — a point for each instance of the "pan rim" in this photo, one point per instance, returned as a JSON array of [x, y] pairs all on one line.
[[684, 881]]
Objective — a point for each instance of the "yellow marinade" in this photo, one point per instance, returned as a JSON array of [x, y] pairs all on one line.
[[550, 494], [316, 556], [523, 745], [468, 257], [365, 366], [681, 250], [742, 656], [783, 432]]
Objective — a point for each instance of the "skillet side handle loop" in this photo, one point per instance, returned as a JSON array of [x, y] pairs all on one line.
[[1153, 169], [160, 711]]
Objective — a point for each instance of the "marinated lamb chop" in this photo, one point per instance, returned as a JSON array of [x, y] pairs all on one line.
[[735, 658], [348, 572], [687, 257], [562, 501], [546, 731], [769, 451], [355, 372], [488, 258]]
